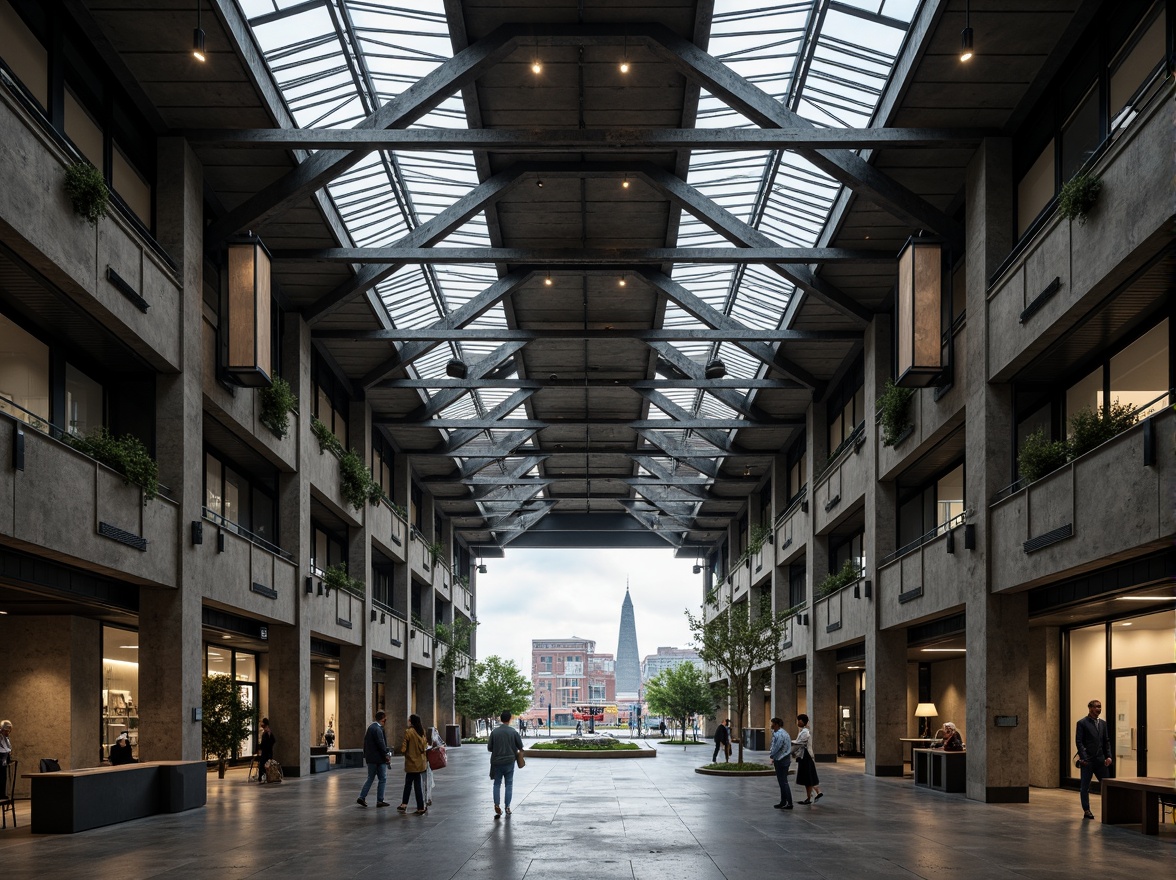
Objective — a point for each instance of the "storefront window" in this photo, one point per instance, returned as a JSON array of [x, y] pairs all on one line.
[[24, 374], [1143, 641], [1088, 675], [83, 402], [120, 688]]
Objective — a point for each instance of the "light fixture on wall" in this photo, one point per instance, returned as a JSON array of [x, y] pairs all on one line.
[[481, 568], [250, 334], [966, 34], [197, 532], [919, 321], [198, 37], [923, 712]]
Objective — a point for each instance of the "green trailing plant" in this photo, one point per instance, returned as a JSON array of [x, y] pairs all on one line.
[[435, 549], [1039, 456], [398, 510], [894, 411], [758, 537], [225, 719], [125, 454], [1078, 197], [847, 574], [277, 402], [326, 438], [355, 481], [86, 188], [335, 577], [454, 641], [1090, 428], [712, 598]]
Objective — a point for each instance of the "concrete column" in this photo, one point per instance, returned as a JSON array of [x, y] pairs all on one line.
[[821, 685], [886, 709], [171, 665], [355, 689], [784, 691], [1045, 667], [289, 711], [318, 709], [997, 627]]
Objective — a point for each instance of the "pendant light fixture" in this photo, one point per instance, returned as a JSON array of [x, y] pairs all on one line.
[[198, 37], [919, 314], [966, 34], [249, 326]]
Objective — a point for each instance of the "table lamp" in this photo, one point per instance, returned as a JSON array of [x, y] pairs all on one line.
[[924, 711]]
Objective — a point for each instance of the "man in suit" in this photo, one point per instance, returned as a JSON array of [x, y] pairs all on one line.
[[1094, 751], [378, 757]]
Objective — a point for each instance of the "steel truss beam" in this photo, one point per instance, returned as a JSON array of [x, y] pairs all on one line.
[[440, 333], [469, 384], [600, 140], [684, 422], [573, 258]]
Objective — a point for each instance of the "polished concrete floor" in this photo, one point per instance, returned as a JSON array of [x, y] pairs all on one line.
[[608, 820]]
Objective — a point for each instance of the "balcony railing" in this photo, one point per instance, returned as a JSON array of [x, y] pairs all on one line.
[[949, 525], [252, 537]]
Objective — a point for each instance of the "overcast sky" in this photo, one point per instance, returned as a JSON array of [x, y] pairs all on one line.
[[550, 594]]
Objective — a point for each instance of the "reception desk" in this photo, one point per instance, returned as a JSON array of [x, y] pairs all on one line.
[[940, 770], [76, 800]]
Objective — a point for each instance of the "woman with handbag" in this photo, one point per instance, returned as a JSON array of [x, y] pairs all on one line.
[[414, 747], [806, 767], [265, 752], [436, 760], [506, 751]]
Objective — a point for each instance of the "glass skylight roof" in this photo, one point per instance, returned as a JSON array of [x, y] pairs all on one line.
[[335, 61]]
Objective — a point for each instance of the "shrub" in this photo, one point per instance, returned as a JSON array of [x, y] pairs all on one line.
[[277, 402], [86, 188], [325, 437], [435, 550], [894, 411], [355, 480], [336, 578], [833, 582], [1078, 197], [125, 454], [1090, 428], [1039, 456]]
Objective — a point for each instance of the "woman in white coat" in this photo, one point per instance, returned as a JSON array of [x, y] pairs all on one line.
[[806, 767]]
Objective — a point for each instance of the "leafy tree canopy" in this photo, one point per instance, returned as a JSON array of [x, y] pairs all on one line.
[[225, 718], [494, 684], [679, 692]]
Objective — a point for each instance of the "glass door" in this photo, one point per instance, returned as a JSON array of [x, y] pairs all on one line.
[[1142, 724]]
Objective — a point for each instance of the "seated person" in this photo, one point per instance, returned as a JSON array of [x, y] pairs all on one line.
[[120, 752], [949, 738]]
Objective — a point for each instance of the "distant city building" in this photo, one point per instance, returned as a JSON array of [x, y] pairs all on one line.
[[566, 673], [628, 662], [668, 658]]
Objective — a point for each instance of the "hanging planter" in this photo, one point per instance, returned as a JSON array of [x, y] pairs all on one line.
[[894, 412], [1078, 197], [277, 402], [86, 188]]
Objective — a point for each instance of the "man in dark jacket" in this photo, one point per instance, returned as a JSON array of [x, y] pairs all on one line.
[[378, 756], [722, 741], [1094, 751]]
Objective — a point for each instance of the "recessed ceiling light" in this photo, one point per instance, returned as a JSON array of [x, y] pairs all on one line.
[[944, 650], [1125, 623], [1146, 598], [226, 637], [130, 647]]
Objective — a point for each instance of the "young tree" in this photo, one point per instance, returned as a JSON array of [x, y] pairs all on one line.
[[680, 691], [494, 685], [225, 719], [739, 642]]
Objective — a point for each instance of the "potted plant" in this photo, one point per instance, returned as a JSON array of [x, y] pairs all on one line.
[[335, 577], [1039, 456], [355, 481], [277, 402], [125, 454], [86, 188], [1091, 428], [894, 412], [325, 437], [847, 574], [435, 549], [225, 719], [1078, 197]]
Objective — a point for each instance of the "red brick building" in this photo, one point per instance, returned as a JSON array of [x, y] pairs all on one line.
[[566, 673]]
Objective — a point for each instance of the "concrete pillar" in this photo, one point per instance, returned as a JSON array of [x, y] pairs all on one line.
[[171, 665], [997, 627], [318, 709], [289, 711], [1045, 689], [886, 709], [821, 685], [784, 692], [355, 688]]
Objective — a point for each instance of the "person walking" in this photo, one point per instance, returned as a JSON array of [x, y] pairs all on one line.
[[265, 750], [505, 746], [781, 755], [415, 764], [435, 742], [1093, 740], [377, 756], [722, 741], [806, 767]]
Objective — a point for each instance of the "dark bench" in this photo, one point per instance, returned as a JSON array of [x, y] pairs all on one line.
[[320, 763], [347, 757], [76, 800], [1135, 800]]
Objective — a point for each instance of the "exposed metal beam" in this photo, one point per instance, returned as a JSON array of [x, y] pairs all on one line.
[[468, 429], [702, 465], [686, 422], [439, 333], [600, 140], [504, 448], [732, 228], [469, 384], [599, 448], [764, 110], [574, 257], [671, 356], [708, 314], [434, 230], [477, 374], [414, 102], [469, 311]]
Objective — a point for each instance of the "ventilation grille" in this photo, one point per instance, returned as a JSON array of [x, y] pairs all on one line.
[[1059, 534]]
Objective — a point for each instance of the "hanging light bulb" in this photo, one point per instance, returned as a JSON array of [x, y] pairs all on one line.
[[625, 56], [539, 183], [621, 281], [624, 67], [966, 34], [625, 182], [198, 37], [747, 470], [547, 280]]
